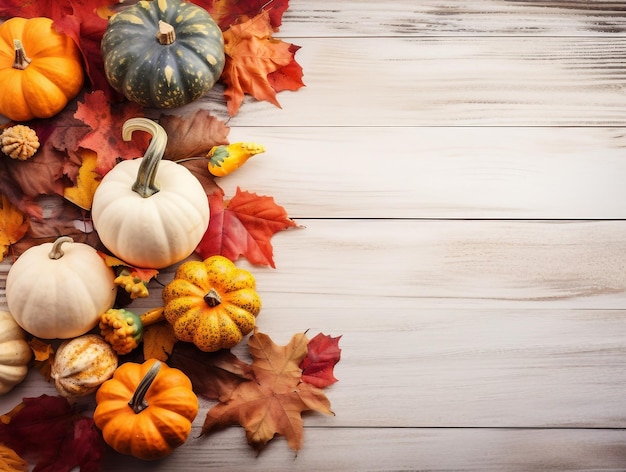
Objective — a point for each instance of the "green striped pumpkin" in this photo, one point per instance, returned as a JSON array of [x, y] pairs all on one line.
[[163, 53]]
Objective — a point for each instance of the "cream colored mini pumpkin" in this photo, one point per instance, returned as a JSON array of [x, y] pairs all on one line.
[[60, 289], [15, 353], [148, 212], [82, 364]]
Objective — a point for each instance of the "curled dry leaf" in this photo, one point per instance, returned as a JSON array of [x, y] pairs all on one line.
[[10, 461], [13, 225], [193, 135]]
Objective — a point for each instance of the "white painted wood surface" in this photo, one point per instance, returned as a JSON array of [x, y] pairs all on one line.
[[458, 170]]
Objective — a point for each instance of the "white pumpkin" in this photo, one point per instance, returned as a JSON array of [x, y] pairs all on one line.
[[149, 212], [15, 353], [82, 364], [60, 289]]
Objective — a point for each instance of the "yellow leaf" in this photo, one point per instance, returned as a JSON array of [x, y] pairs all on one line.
[[10, 461], [158, 341], [87, 181], [13, 225], [44, 354]]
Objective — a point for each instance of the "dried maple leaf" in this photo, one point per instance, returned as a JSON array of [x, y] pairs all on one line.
[[231, 12], [13, 225], [251, 55], [49, 429], [288, 77], [214, 375], [159, 341], [105, 138], [87, 180], [10, 461], [273, 403], [323, 353], [243, 226], [193, 135]]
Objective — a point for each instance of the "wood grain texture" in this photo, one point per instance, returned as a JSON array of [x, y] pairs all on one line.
[[447, 81], [454, 18], [457, 170], [438, 172]]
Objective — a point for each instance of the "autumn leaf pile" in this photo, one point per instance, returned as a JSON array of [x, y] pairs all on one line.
[[50, 195]]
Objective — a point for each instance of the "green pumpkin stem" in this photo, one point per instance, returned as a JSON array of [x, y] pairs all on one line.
[[21, 59], [144, 184], [166, 34], [212, 298], [56, 252], [138, 403]]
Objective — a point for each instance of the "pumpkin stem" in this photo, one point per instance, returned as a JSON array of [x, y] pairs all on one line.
[[166, 34], [21, 59], [56, 252], [138, 402], [212, 298], [144, 184]]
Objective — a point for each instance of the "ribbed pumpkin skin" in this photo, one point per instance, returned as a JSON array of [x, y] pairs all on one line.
[[160, 428], [156, 75], [54, 76]]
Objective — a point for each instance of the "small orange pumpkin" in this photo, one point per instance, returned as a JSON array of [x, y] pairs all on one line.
[[40, 69], [146, 410], [211, 303]]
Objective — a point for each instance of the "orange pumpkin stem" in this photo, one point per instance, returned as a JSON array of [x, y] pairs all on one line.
[[213, 298], [166, 34], [138, 403], [21, 59]]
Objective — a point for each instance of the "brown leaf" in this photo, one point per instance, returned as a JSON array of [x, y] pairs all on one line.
[[193, 135], [214, 375], [273, 404]]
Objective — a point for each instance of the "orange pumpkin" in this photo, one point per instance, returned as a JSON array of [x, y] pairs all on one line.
[[40, 69], [146, 410]]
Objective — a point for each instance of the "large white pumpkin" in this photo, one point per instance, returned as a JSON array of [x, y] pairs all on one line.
[[60, 289], [149, 212]]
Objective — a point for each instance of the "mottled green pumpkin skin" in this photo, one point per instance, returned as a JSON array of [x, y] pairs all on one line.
[[162, 75]]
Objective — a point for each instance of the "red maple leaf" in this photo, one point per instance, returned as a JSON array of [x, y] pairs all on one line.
[[288, 77], [105, 138], [49, 429], [243, 226], [323, 353], [230, 12]]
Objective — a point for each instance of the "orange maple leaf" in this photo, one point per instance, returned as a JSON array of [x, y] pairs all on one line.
[[13, 225], [273, 402], [243, 226], [251, 55]]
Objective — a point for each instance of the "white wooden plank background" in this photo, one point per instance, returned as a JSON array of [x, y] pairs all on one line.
[[457, 168]]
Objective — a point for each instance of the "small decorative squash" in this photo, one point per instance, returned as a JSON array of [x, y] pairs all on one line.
[[82, 364], [211, 303], [15, 353], [146, 410], [60, 289], [19, 142], [151, 213], [40, 69], [164, 53]]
